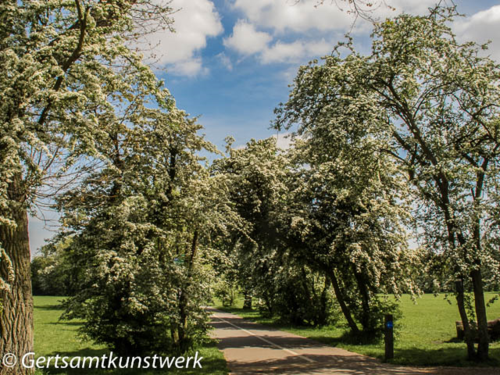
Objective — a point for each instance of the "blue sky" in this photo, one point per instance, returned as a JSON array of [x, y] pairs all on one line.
[[240, 83], [231, 61]]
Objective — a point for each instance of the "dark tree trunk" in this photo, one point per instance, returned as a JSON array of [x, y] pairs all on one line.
[[454, 236], [305, 286], [482, 320], [469, 335], [268, 303], [323, 315], [183, 327], [247, 304], [366, 320], [477, 285], [184, 339], [340, 299], [16, 318]]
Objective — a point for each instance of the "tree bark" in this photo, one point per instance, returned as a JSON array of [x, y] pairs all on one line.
[[482, 320], [454, 236], [365, 302], [184, 340], [477, 283], [469, 335], [16, 319], [323, 300], [247, 304], [340, 299]]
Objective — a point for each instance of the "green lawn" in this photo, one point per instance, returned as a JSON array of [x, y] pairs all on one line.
[[425, 337], [425, 334], [54, 337]]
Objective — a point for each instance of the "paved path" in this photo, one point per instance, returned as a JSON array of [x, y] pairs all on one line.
[[250, 348]]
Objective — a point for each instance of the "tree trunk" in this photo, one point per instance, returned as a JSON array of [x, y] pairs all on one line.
[[268, 304], [16, 318], [183, 327], [459, 285], [184, 340], [469, 335], [340, 299], [323, 316], [247, 305], [482, 320], [307, 292], [477, 285], [366, 321]]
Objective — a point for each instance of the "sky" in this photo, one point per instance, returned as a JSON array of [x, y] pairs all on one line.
[[230, 62]]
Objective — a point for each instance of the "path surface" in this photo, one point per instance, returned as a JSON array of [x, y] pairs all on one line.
[[251, 348]]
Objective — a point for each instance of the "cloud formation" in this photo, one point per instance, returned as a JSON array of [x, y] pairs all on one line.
[[304, 15], [225, 61], [194, 22], [289, 15], [295, 52], [285, 141], [246, 39], [482, 27], [291, 31]]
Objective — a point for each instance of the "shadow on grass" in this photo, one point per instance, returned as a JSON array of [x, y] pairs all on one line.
[[49, 307], [454, 340], [452, 356], [441, 357], [346, 338], [210, 365], [66, 323]]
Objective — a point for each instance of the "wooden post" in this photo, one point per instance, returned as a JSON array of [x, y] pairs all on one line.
[[389, 337]]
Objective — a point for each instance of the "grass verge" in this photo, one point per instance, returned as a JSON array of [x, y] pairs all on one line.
[[54, 337], [425, 335]]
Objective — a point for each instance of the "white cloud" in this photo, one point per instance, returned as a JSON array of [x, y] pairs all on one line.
[[240, 147], [284, 141], [290, 31], [396, 7], [189, 67], [282, 15], [482, 27], [246, 39], [295, 52], [225, 61], [195, 22], [281, 52], [304, 15]]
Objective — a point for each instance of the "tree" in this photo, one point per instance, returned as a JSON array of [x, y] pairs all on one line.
[[256, 179], [283, 256], [61, 63], [347, 211], [143, 223], [53, 273], [434, 103]]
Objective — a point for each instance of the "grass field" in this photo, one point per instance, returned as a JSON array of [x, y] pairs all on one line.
[[54, 337], [425, 334]]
